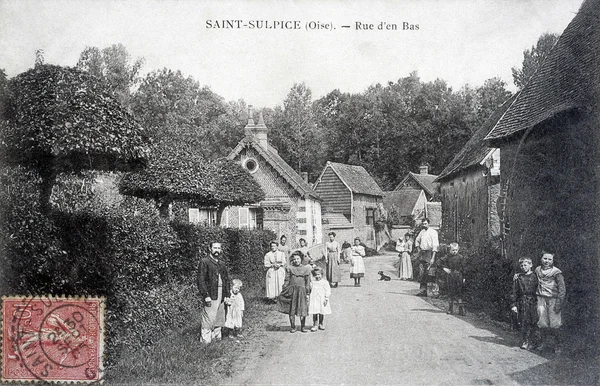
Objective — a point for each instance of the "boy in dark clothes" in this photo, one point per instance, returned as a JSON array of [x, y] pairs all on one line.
[[524, 301], [454, 267]]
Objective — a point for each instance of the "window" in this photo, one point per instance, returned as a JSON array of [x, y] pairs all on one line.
[[370, 216], [202, 216], [251, 218], [251, 165]]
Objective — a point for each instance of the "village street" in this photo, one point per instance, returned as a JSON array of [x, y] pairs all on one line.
[[381, 333]]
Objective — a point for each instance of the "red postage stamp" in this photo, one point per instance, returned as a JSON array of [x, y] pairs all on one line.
[[52, 339]]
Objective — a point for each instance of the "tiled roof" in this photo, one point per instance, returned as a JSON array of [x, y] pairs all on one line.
[[356, 178], [426, 181], [564, 81], [476, 149], [404, 200], [285, 170]]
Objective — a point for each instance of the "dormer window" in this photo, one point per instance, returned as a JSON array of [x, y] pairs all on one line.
[[251, 165]]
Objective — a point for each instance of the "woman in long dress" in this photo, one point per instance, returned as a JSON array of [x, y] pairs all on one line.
[[333, 250], [275, 262], [404, 247], [293, 299], [358, 266]]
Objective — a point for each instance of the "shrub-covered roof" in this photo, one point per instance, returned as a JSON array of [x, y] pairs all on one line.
[[69, 116], [179, 172]]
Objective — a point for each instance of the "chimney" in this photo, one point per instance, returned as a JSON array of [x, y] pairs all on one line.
[[304, 176], [423, 169], [250, 125], [260, 131]]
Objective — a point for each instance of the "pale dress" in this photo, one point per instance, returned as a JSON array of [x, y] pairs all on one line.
[[235, 311], [274, 277], [358, 266], [319, 292], [405, 269]]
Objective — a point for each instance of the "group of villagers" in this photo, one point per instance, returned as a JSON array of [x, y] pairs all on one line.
[[301, 285]]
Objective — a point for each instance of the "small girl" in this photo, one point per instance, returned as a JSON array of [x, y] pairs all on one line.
[[319, 299], [293, 299], [235, 308], [358, 266]]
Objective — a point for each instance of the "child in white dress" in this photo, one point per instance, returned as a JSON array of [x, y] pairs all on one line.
[[319, 304], [235, 308]]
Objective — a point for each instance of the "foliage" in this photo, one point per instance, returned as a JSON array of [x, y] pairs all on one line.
[[294, 132], [393, 129], [29, 242], [533, 58], [113, 66], [179, 173], [62, 119], [167, 100]]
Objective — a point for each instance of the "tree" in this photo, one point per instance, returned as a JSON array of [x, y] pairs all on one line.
[[167, 99], [61, 119], [115, 67], [296, 136], [179, 172], [533, 58]]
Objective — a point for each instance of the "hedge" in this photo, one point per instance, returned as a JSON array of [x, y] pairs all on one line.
[[145, 266]]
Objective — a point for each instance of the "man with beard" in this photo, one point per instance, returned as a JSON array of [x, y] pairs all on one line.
[[213, 283], [427, 244]]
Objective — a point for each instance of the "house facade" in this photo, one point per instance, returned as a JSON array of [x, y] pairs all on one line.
[[550, 143], [469, 189], [291, 207], [351, 203]]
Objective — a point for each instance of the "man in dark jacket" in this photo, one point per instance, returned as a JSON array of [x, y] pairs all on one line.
[[213, 284]]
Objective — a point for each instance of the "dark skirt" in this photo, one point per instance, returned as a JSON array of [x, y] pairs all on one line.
[[292, 301], [454, 284]]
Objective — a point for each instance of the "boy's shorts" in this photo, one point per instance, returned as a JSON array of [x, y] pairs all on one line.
[[548, 318]]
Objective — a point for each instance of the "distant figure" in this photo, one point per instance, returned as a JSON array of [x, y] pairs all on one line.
[[551, 293], [454, 265], [405, 268], [213, 284], [293, 299], [235, 309], [346, 252], [275, 262], [427, 244], [333, 251], [318, 304], [358, 266], [283, 247], [306, 257], [524, 302]]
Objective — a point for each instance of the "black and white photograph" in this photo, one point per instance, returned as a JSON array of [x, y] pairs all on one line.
[[302, 192]]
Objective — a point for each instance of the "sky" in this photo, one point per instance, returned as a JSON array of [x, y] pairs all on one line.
[[459, 41]]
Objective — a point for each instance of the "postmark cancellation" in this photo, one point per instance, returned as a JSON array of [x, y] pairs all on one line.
[[52, 339]]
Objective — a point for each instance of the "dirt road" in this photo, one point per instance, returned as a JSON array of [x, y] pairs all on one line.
[[381, 333]]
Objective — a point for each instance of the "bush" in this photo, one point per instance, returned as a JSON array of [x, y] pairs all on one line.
[[30, 244], [489, 279]]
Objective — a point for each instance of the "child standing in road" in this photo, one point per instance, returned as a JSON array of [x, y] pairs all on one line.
[[551, 294], [318, 304], [454, 266], [235, 308], [524, 301], [293, 299], [358, 266]]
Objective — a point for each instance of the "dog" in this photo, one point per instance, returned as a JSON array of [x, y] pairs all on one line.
[[383, 276]]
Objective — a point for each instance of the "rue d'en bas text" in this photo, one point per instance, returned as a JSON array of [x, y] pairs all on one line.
[[312, 25]]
